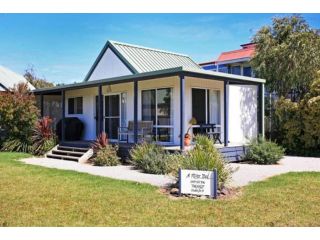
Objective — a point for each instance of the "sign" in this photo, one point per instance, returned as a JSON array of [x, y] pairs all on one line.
[[198, 182]]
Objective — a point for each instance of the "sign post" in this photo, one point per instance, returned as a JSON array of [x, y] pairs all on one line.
[[198, 182]]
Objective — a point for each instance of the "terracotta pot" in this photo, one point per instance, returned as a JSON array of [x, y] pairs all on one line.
[[187, 140]]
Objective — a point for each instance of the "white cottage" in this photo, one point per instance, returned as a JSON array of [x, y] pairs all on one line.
[[130, 84]]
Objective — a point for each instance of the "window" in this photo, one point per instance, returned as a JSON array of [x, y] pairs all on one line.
[[75, 105], [247, 71], [222, 68], [211, 67], [214, 113], [206, 106], [200, 99], [157, 107], [236, 70]]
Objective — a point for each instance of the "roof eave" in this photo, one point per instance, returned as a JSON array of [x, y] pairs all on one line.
[[151, 75]]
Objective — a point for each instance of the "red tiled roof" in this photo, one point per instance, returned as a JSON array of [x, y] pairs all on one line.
[[247, 51]]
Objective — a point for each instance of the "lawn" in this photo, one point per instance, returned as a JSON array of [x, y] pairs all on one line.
[[37, 196]]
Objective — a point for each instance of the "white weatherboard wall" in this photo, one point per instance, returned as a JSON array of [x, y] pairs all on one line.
[[242, 113], [109, 66]]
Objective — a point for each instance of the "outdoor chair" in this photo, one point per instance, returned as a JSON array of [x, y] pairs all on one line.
[[145, 129], [209, 130]]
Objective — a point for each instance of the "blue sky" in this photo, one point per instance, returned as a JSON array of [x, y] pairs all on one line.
[[62, 47]]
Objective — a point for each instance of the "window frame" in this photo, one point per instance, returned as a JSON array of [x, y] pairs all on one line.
[[156, 126], [75, 105], [208, 103]]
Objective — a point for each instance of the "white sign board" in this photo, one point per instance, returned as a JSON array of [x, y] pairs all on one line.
[[198, 182]]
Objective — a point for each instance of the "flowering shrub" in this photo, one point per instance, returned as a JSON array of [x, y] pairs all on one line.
[[104, 153], [106, 156], [18, 115]]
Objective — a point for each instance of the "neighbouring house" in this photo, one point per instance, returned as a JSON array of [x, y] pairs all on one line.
[[8, 79], [128, 84], [234, 62]]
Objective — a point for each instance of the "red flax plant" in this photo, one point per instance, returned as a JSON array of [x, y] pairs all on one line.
[[101, 142], [43, 137]]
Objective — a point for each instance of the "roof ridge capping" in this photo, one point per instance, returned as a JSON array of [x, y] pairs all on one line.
[[148, 48]]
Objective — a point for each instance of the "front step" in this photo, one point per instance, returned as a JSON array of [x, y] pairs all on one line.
[[71, 153], [67, 153], [62, 157], [72, 149]]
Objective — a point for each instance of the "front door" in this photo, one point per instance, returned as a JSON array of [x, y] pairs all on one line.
[[112, 117]]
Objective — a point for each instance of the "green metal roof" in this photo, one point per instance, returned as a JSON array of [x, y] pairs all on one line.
[[147, 59], [142, 59]]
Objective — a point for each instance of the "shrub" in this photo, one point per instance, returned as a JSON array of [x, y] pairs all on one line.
[[204, 156], [151, 158], [43, 137], [18, 114], [298, 123], [16, 145], [261, 151], [106, 156]]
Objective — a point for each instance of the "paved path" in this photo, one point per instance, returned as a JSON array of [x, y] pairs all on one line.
[[246, 173], [117, 172], [250, 173]]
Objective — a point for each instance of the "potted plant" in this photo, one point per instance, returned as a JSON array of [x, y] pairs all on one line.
[[187, 136]]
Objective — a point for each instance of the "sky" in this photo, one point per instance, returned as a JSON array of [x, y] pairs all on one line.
[[63, 47]]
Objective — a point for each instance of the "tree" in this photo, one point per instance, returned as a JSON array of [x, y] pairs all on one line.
[[287, 55], [299, 122], [36, 81], [18, 115]]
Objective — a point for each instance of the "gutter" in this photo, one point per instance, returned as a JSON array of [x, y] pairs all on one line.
[[178, 71]]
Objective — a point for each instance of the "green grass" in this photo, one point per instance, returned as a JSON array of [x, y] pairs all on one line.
[[37, 196]]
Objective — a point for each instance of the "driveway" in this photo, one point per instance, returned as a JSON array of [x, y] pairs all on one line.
[[246, 172]]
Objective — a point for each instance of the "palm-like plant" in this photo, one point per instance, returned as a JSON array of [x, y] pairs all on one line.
[[101, 142], [43, 137]]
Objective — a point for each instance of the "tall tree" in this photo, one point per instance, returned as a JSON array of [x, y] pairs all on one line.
[[287, 55], [36, 81]]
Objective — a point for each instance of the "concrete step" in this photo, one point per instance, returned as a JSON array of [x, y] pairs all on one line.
[[71, 153], [62, 157], [68, 153], [72, 149]]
